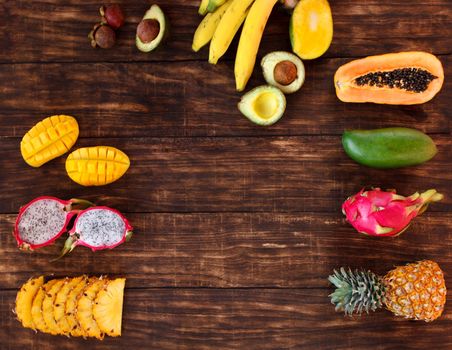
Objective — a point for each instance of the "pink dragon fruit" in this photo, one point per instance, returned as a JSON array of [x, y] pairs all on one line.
[[98, 228], [44, 219], [379, 213]]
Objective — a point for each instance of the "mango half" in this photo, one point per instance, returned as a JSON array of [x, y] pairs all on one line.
[[49, 139], [96, 166]]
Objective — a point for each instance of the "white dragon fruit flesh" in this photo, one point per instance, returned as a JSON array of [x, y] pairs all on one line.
[[385, 213], [44, 219], [98, 228]]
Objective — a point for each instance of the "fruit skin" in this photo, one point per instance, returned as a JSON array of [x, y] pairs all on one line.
[[415, 291], [227, 28], [348, 91], [271, 60], [24, 301], [154, 12], [311, 28], [263, 105], [103, 36], [250, 39], [389, 147], [207, 27], [113, 15], [98, 218], [69, 207], [49, 139], [96, 166], [107, 308], [379, 213]]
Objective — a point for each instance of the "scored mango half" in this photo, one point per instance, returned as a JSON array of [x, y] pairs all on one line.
[[96, 166], [49, 139]]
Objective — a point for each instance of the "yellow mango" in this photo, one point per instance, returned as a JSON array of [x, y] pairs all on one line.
[[48, 139], [96, 166]]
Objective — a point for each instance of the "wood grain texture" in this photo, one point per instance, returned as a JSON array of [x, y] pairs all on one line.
[[245, 250], [191, 99], [239, 319], [272, 174], [58, 30]]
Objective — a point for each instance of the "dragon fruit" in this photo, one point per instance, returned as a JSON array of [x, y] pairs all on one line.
[[379, 213], [98, 228], [44, 219]]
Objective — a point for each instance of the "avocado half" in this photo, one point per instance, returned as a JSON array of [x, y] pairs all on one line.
[[155, 13], [264, 105], [283, 70]]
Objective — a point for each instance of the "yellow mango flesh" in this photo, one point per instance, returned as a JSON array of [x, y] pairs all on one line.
[[311, 28], [49, 139], [96, 166]]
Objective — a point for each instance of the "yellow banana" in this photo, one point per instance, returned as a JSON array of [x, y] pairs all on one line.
[[206, 28], [226, 29], [250, 40], [209, 6]]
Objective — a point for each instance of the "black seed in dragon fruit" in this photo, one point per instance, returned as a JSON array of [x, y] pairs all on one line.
[[98, 228], [43, 220]]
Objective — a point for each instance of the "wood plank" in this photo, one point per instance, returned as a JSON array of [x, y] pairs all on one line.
[[274, 174], [239, 319], [191, 99], [57, 31], [245, 250]]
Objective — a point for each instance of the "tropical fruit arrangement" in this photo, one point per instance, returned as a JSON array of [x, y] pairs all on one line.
[[45, 219], [78, 307], [415, 291]]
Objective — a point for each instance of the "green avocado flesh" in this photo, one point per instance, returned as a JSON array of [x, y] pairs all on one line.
[[388, 148], [156, 13]]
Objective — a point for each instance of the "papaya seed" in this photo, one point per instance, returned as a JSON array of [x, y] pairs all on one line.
[[285, 72], [148, 30]]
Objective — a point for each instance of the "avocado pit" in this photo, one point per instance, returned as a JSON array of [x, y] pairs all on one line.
[[148, 30], [285, 72]]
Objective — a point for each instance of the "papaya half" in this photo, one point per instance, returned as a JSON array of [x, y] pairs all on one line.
[[403, 78]]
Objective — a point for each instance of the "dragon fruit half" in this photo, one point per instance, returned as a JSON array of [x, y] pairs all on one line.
[[44, 219], [379, 213], [98, 228]]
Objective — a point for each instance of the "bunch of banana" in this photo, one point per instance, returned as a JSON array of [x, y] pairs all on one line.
[[219, 26]]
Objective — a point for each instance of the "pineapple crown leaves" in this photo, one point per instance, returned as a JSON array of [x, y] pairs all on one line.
[[356, 291]]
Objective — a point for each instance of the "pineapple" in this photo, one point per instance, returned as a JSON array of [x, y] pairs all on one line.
[[36, 308], [70, 310], [85, 309], [107, 308], [24, 300], [60, 304], [47, 306], [416, 291]]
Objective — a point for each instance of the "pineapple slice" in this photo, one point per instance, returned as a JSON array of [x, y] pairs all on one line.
[[71, 309], [60, 304], [85, 309], [47, 306], [36, 308], [24, 300], [107, 309]]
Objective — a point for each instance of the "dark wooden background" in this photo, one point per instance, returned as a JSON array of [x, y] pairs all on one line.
[[237, 226]]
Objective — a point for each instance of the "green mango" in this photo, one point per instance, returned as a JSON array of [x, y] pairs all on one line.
[[389, 147]]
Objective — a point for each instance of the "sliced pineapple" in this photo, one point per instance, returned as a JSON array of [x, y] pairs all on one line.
[[47, 306], [107, 309], [60, 304], [85, 309], [71, 323], [24, 300], [36, 308]]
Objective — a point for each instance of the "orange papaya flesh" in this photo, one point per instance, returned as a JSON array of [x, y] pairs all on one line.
[[402, 78]]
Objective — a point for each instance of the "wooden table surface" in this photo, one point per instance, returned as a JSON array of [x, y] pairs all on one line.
[[237, 226]]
